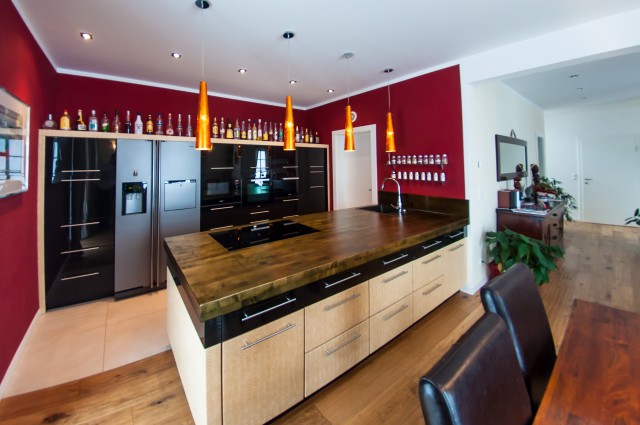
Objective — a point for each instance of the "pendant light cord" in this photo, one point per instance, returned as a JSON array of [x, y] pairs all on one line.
[[289, 64], [202, 42], [348, 82]]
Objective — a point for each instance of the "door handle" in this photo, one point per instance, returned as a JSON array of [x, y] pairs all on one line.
[[587, 179]]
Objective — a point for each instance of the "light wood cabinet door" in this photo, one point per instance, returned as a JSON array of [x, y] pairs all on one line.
[[263, 371], [390, 322], [428, 268], [456, 263], [332, 316], [335, 357], [390, 287], [428, 297]]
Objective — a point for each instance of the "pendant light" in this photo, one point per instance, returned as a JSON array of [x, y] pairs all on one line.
[[289, 135], [203, 130], [349, 144], [390, 145]]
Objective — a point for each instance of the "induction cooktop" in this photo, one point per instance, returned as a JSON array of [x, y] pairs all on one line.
[[258, 234]]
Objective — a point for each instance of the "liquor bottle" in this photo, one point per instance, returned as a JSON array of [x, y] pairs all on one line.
[[243, 131], [116, 125], [138, 126], [159, 125], [80, 125], [255, 132], [179, 128], [148, 128], [297, 135], [214, 128], [317, 139], [189, 128], [281, 132], [222, 128], [93, 121], [169, 131], [265, 132], [128, 128], [249, 131], [275, 132], [236, 130], [49, 123], [306, 135], [104, 124], [229, 134], [271, 132], [65, 123], [259, 135]]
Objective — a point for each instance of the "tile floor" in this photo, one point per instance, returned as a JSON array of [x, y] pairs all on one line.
[[79, 341]]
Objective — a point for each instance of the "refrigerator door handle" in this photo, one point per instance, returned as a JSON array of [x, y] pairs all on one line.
[[154, 211]]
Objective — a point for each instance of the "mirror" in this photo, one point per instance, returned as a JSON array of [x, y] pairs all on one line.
[[511, 158], [14, 145]]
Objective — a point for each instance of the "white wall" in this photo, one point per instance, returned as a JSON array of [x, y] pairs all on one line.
[[491, 108], [565, 128]]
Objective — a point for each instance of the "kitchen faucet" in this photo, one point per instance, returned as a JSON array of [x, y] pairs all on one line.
[[399, 206]]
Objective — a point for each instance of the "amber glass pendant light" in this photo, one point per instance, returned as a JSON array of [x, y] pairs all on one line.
[[289, 134], [390, 145], [349, 143], [203, 130]]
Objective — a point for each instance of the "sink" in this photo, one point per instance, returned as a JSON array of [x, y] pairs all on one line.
[[383, 209]]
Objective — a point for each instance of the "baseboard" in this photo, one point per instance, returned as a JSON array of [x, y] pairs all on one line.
[[18, 354], [472, 289]]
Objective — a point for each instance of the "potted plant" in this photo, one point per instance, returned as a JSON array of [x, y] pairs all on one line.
[[553, 186], [507, 247], [635, 218]]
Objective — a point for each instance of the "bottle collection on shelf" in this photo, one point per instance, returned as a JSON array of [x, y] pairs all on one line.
[[271, 132], [427, 159]]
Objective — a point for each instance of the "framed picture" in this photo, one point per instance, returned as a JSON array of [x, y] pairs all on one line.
[[14, 144]]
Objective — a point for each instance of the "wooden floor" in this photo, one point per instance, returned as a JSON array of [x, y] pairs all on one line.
[[602, 264]]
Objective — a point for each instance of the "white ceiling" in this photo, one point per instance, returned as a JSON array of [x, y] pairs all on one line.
[[133, 41]]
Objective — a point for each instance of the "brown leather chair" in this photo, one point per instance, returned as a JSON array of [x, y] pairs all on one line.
[[478, 381], [514, 296]]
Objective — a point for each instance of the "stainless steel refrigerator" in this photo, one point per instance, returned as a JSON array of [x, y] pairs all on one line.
[[157, 195]]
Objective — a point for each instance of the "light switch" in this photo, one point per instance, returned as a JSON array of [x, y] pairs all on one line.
[[574, 176]]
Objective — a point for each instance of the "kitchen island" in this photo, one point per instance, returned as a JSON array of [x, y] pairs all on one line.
[[255, 330]]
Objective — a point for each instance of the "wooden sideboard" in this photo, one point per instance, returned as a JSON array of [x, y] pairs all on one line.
[[547, 227]]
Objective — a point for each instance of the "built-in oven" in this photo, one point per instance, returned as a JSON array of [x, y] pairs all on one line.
[[221, 175], [256, 175], [284, 173]]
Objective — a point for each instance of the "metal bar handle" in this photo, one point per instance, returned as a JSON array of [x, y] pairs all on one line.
[[80, 224], [80, 276], [353, 274], [339, 303], [353, 337], [259, 221], [316, 172], [390, 315], [315, 187], [289, 166], [402, 273], [80, 171], [73, 251], [291, 216], [80, 180], [456, 235], [431, 245], [290, 200], [291, 178], [264, 338], [430, 260], [222, 168], [316, 166], [222, 227], [456, 247], [259, 212], [384, 263], [222, 208], [432, 289], [257, 229], [288, 301]]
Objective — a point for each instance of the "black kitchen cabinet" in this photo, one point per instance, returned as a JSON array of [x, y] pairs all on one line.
[[312, 164], [79, 220]]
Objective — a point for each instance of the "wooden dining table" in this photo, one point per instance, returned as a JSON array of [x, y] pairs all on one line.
[[596, 378]]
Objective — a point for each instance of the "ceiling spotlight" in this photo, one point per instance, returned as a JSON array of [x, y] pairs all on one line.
[[176, 55], [580, 89], [573, 76], [202, 4], [86, 36], [330, 91], [293, 82], [242, 71]]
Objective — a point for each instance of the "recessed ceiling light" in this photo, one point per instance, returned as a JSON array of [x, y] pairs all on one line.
[[176, 55], [330, 91], [573, 76], [242, 71], [580, 89], [293, 82], [86, 36]]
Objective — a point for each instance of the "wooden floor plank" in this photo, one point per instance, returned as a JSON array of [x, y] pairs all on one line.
[[602, 264]]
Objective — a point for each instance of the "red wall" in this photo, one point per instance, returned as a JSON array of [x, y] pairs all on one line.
[[427, 118], [84, 93], [26, 73]]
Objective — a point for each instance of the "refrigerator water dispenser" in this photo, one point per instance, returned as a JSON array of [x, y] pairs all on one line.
[[134, 198]]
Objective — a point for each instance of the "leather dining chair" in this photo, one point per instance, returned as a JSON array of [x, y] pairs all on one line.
[[514, 296], [478, 381]]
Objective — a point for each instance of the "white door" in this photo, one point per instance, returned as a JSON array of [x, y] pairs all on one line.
[[610, 177], [355, 173]]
